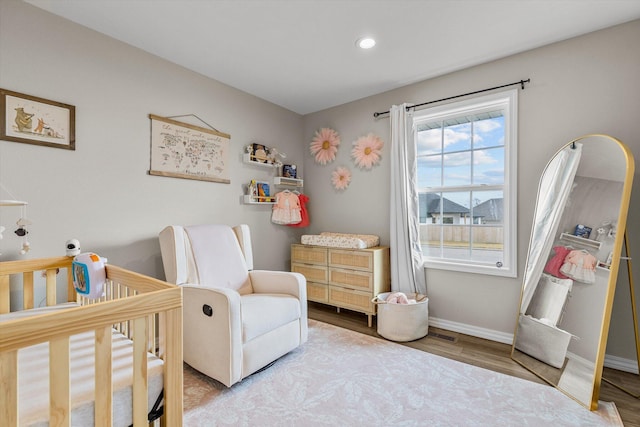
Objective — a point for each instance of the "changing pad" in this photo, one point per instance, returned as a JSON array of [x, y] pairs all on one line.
[[341, 240]]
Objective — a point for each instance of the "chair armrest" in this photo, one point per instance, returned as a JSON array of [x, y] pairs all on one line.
[[279, 282], [284, 282], [228, 297], [213, 344]]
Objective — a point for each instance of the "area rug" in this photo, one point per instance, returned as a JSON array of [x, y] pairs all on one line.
[[344, 378]]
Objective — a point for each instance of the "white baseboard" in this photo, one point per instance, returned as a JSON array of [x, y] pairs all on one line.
[[626, 365], [474, 331], [613, 362]]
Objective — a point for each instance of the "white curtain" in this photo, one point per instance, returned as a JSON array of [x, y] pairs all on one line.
[[407, 273], [553, 192]]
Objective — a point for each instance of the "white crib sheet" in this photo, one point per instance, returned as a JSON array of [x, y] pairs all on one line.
[[33, 374], [341, 240]]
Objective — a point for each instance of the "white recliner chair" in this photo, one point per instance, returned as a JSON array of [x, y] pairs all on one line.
[[236, 320]]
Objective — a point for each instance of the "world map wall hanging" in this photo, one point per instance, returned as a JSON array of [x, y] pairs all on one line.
[[183, 150]]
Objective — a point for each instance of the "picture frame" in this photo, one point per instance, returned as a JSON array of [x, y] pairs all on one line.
[[290, 171], [582, 231], [263, 189], [32, 120]]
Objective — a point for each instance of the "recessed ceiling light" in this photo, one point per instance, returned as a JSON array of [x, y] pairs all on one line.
[[365, 43]]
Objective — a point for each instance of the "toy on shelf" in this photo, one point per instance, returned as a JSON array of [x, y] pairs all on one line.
[[258, 192], [262, 154]]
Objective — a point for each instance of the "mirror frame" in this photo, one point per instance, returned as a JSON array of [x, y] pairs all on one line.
[[619, 241]]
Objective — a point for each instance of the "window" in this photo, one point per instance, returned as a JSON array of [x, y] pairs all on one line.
[[467, 184]]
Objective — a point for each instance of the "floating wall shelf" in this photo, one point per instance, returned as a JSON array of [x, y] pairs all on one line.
[[258, 200], [248, 158], [288, 182], [580, 241]]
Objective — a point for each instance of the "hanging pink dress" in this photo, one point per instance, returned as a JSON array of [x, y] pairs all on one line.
[[555, 263], [580, 266], [286, 210]]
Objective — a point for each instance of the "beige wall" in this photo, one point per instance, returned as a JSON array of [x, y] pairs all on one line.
[[102, 195], [585, 85]]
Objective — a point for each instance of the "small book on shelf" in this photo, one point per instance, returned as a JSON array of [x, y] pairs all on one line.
[[582, 231]]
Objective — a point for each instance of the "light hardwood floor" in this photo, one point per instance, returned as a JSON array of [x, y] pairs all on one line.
[[486, 354]]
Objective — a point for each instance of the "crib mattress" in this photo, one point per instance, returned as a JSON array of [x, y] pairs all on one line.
[[33, 374], [341, 240]]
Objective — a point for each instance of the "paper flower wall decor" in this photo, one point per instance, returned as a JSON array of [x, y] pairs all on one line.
[[340, 178], [325, 145], [367, 150]]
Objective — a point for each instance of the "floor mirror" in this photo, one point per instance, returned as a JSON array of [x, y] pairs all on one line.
[[572, 265]]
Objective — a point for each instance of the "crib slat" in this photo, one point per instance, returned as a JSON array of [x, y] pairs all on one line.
[[140, 392], [104, 400], [173, 371], [59, 401], [151, 336], [9, 388], [5, 300], [51, 286], [27, 290], [71, 290]]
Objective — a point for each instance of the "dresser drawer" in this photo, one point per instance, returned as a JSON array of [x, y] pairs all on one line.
[[351, 299], [313, 273], [308, 255], [344, 278], [360, 260], [354, 279], [317, 292]]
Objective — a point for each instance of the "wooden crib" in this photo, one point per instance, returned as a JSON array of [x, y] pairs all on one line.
[[144, 312]]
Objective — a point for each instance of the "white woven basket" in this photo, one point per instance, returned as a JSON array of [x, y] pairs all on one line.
[[403, 322]]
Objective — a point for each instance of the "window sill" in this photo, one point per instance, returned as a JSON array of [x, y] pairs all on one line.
[[470, 268]]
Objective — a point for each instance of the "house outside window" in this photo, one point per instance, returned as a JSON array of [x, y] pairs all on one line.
[[467, 184]]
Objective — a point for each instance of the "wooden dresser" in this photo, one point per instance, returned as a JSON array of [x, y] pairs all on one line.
[[344, 278]]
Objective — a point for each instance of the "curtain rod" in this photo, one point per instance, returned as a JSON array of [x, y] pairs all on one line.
[[521, 83]]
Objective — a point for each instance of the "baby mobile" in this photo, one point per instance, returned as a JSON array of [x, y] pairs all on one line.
[[22, 223]]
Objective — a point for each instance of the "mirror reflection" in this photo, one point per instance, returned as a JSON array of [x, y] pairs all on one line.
[[572, 265]]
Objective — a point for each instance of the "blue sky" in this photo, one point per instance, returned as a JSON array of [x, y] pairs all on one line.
[[486, 146]]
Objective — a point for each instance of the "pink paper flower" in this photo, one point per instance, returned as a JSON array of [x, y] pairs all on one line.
[[367, 150], [325, 145], [340, 178]]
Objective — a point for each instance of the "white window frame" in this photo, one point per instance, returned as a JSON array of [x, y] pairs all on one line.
[[508, 101]]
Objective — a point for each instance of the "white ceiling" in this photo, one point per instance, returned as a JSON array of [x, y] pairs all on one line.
[[301, 54]]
